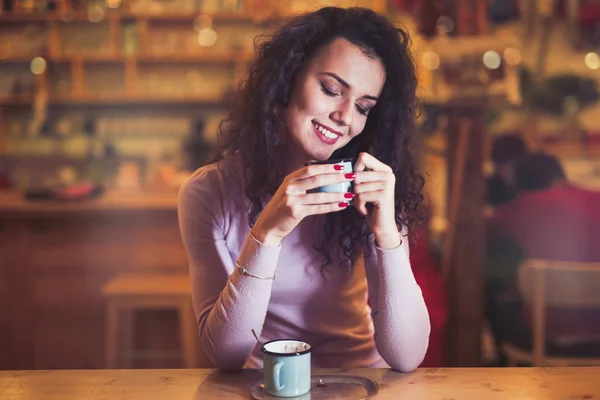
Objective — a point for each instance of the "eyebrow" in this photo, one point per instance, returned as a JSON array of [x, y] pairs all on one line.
[[347, 85]]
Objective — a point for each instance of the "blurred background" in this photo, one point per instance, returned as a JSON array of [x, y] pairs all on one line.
[[107, 106]]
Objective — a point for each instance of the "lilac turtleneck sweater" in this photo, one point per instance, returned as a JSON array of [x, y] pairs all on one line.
[[326, 309]]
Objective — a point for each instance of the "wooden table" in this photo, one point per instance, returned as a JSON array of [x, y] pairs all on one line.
[[432, 384]]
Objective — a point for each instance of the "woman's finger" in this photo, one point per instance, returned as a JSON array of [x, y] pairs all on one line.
[[315, 169], [361, 200], [365, 161], [323, 198], [325, 208], [313, 182], [372, 176], [370, 187]]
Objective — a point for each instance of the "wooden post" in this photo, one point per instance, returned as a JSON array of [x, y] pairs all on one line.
[[466, 260]]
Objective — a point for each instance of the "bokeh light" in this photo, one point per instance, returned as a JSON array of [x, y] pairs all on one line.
[[113, 3], [202, 22], [592, 60], [38, 66], [431, 61], [491, 59], [512, 56], [445, 24], [95, 13], [207, 37]]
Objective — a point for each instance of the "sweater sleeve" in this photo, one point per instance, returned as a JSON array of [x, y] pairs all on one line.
[[227, 304], [399, 313]]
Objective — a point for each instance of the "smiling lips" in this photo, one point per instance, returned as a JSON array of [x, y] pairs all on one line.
[[325, 134]]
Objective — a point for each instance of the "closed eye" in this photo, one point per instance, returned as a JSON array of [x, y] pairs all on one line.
[[361, 110], [328, 92], [331, 93]]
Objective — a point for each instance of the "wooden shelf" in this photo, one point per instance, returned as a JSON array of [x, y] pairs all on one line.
[[189, 17], [142, 59], [118, 100], [17, 60], [15, 101], [52, 16], [200, 59], [82, 16]]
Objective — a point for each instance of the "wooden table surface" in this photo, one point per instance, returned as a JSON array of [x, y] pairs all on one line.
[[13, 202], [432, 384]]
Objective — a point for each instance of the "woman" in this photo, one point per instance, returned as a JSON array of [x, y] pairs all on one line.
[[265, 254]]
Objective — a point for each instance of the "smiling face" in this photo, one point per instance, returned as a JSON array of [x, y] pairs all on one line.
[[330, 100]]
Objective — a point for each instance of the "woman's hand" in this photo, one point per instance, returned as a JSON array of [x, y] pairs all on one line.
[[291, 203], [375, 184]]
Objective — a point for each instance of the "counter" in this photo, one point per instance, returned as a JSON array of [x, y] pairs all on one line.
[[13, 203], [430, 384]]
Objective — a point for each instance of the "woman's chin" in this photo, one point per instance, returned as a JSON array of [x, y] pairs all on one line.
[[320, 155]]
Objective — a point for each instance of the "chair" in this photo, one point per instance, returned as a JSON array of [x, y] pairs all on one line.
[[560, 285], [127, 293]]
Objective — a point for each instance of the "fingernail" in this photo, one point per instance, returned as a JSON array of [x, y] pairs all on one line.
[[351, 175], [343, 204], [338, 167], [349, 195]]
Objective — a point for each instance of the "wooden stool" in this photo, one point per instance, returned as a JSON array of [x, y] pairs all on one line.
[[130, 292]]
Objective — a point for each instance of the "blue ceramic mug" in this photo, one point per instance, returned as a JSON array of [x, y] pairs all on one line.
[[343, 187], [286, 367]]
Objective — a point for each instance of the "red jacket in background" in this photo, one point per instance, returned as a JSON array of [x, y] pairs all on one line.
[[428, 277]]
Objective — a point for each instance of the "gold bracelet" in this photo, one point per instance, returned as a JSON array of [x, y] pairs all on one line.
[[244, 271]]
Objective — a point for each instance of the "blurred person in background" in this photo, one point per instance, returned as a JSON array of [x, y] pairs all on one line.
[[550, 219], [506, 151]]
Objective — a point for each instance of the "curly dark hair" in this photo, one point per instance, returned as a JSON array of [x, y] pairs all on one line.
[[253, 121]]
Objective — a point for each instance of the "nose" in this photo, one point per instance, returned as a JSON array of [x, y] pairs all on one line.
[[343, 113]]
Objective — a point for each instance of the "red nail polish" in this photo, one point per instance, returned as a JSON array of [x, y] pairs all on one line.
[[351, 175], [338, 167], [349, 195], [343, 204]]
